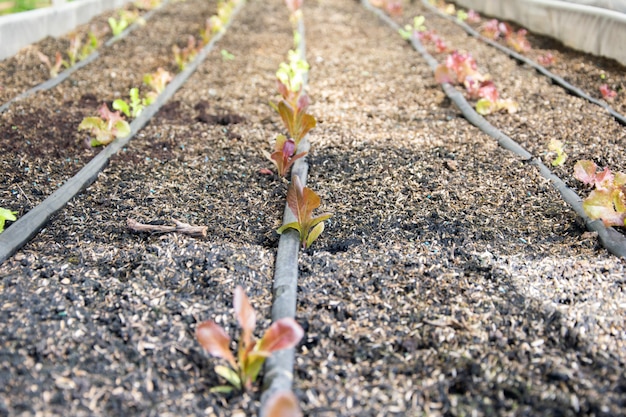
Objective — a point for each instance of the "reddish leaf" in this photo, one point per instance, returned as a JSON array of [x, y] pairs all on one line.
[[282, 334], [283, 404], [245, 315], [215, 341]]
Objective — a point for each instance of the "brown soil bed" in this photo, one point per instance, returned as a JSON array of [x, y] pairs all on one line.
[[452, 279]]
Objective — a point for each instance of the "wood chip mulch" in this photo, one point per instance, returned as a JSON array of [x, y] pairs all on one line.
[[451, 280]]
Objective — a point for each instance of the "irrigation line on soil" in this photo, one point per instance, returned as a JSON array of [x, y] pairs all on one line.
[[29, 224], [611, 239], [53, 82], [278, 374], [539, 68]]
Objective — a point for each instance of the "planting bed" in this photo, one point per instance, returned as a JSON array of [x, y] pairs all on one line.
[[451, 280]]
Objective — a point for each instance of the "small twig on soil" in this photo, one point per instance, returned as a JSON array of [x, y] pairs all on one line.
[[194, 231]]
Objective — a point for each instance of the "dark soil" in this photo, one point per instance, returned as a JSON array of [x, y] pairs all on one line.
[[451, 280]]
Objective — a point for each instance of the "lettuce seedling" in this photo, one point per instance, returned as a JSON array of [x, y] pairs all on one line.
[[291, 73], [6, 215], [283, 404], [243, 370], [461, 15], [73, 50], [547, 59], [473, 16], [302, 201], [135, 107], [187, 54], [418, 26], [608, 200], [556, 146], [118, 26], [297, 122], [516, 40], [491, 29], [157, 81], [89, 47], [283, 156], [607, 93], [53, 70], [108, 126]]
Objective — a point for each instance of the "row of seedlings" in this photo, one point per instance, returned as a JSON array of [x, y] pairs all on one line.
[[604, 207], [111, 128], [300, 229]]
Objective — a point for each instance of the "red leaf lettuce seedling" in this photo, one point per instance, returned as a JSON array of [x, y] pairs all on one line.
[[53, 70], [108, 126], [284, 333], [302, 201], [185, 55], [607, 93], [608, 200], [157, 81], [283, 155]]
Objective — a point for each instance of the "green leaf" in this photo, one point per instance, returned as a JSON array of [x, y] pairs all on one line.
[[222, 389], [122, 106], [314, 234], [122, 129], [6, 215], [484, 107], [293, 225], [229, 375]]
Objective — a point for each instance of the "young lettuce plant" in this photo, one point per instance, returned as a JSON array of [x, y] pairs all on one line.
[[283, 156], [53, 69], [6, 215], [607, 93], [108, 126], [187, 54], [556, 146], [244, 369], [134, 107], [118, 26], [302, 201], [608, 200], [408, 30], [157, 82], [297, 122], [461, 68]]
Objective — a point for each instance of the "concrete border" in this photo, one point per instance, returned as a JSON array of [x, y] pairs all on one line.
[[18, 30], [596, 30]]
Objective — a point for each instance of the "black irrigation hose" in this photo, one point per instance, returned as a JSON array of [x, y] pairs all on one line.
[[53, 82], [611, 239], [539, 68], [278, 374], [29, 224]]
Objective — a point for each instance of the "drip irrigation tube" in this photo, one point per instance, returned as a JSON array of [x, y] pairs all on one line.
[[539, 68], [611, 239], [53, 82], [29, 224], [278, 374]]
